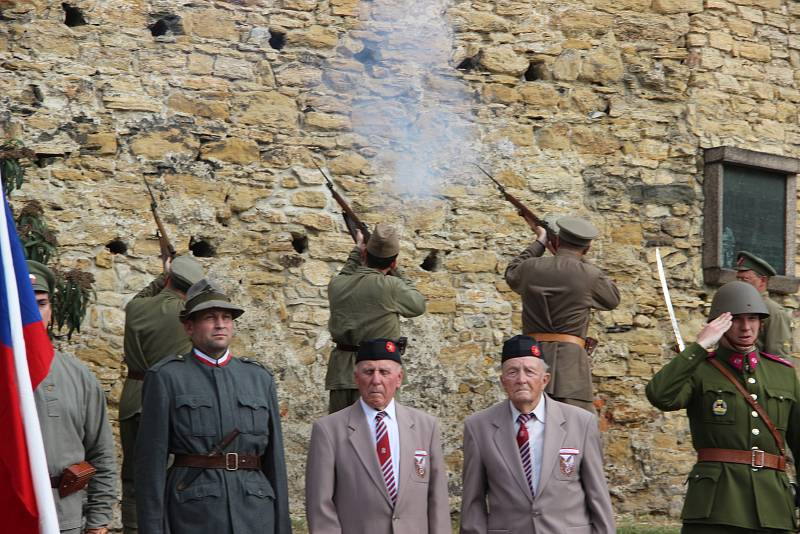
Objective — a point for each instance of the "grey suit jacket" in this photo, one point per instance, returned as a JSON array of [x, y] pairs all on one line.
[[345, 491], [572, 496]]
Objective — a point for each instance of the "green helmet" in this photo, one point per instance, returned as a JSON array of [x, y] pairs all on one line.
[[737, 298]]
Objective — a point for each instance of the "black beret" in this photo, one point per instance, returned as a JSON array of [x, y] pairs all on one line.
[[379, 349], [520, 346]]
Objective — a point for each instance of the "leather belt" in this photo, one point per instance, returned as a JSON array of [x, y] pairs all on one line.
[[136, 375], [565, 338], [231, 461], [755, 458], [347, 348]]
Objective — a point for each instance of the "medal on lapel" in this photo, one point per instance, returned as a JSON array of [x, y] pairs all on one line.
[[420, 457], [720, 407], [566, 461]]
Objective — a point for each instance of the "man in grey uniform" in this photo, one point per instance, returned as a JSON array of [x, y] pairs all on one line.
[[219, 416], [75, 429]]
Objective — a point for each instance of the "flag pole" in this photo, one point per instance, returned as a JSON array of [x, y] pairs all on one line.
[[48, 520]]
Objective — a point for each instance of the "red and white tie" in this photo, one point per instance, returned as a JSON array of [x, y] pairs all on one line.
[[385, 455], [525, 448]]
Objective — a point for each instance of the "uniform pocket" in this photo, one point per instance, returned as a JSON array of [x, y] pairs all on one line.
[[779, 404], [194, 415], [719, 404], [253, 414], [199, 492], [702, 489], [260, 489]]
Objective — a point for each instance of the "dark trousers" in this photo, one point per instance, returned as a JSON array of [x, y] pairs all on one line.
[[127, 433], [341, 399]]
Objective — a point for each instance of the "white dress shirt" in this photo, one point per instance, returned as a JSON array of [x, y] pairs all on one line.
[[535, 426], [391, 428]]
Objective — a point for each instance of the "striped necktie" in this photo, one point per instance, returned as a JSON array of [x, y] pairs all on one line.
[[385, 455], [525, 448]]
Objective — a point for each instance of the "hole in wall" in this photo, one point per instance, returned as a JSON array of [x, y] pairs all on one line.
[[299, 243], [432, 262], [468, 64], [201, 248], [73, 16], [166, 24], [117, 246], [277, 39], [534, 71]]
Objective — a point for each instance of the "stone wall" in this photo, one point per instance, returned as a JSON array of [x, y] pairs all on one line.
[[595, 107]]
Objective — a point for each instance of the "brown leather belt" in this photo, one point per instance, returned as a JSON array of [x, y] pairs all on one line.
[[755, 458], [136, 375], [231, 461], [565, 338], [347, 348]]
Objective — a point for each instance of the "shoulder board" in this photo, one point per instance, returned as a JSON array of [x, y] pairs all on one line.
[[777, 359], [167, 360], [245, 359]]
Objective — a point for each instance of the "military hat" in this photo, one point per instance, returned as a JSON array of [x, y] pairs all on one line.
[[747, 261], [384, 241], [42, 278], [521, 346], [576, 231], [187, 270], [380, 349], [205, 295], [737, 298]]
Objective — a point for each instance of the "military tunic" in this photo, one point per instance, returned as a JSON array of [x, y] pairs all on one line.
[[72, 414], [152, 332], [365, 304], [776, 332], [188, 407], [558, 292], [730, 494]]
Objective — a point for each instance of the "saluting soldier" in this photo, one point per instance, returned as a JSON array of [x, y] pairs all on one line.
[[152, 332], [558, 292], [367, 299], [743, 407], [776, 332], [219, 416], [77, 436]]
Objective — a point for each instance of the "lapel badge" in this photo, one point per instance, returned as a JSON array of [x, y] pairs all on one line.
[[720, 407], [420, 462], [566, 461]]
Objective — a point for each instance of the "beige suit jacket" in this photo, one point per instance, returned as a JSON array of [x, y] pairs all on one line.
[[345, 491], [572, 495]]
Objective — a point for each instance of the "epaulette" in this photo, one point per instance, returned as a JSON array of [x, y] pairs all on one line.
[[777, 359], [169, 359], [245, 359]]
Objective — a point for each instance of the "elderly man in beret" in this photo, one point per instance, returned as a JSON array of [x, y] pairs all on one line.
[[76, 433], [775, 336], [532, 464], [377, 466], [219, 416], [367, 299], [152, 332], [558, 294]]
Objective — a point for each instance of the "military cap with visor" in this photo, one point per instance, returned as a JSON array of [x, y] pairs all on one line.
[[747, 261], [380, 349], [186, 270], [520, 347], [737, 298], [42, 278], [384, 241], [576, 231], [205, 295]]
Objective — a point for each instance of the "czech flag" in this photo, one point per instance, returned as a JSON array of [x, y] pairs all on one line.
[[25, 357]]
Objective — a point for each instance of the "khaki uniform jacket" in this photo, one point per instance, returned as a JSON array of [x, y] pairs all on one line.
[[74, 421], [496, 496], [152, 332], [558, 292], [189, 407], [776, 332], [345, 490], [365, 304], [725, 493]]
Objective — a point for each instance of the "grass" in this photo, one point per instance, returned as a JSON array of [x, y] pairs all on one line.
[[627, 528]]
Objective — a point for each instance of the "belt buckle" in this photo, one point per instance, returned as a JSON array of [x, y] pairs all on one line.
[[232, 461], [757, 457]]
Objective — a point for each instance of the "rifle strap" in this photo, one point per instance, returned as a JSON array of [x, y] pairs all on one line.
[[752, 402]]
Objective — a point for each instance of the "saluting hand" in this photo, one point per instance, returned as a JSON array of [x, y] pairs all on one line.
[[713, 331], [360, 241]]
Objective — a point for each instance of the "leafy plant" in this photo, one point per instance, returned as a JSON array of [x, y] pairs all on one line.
[[11, 151], [72, 295], [37, 239]]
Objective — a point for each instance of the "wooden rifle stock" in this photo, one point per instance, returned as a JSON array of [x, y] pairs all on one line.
[[350, 218], [167, 250]]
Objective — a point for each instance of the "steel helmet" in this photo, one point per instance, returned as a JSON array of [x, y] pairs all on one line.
[[737, 298]]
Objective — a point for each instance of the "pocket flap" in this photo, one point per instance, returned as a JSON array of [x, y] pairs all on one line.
[[780, 394], [720, 387], [192, 401], [252, 401], [259, 488], [705, 470], [198, 492]]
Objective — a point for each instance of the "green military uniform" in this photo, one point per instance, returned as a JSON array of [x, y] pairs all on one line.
[[152, 332], [365, 304], [776, 332], [558, 294], [725, 496]]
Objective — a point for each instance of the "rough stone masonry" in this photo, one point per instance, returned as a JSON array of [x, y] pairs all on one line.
[[595, 107]]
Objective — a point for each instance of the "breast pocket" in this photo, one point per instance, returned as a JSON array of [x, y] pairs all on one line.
[[779, 404], [253, 414], [195, 415], [719, 404]]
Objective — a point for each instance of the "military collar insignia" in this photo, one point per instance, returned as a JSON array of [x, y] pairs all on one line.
[[224, 360], [737, 360]]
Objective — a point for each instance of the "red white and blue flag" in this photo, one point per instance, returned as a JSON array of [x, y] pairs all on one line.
[[25, 357]]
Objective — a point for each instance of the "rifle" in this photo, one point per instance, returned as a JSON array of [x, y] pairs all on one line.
[[350, 218], [167, 250], [524, 212]]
